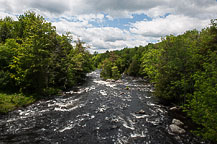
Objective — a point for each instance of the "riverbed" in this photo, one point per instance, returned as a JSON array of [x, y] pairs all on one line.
[[104, 112]]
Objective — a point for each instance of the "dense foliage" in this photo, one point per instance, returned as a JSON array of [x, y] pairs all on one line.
[[34, 59], [127, 61], [183, 69]]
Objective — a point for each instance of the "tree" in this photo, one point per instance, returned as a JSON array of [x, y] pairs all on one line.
[[115, 73]]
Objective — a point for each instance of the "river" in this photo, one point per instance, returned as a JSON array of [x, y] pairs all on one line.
[[97, 112]]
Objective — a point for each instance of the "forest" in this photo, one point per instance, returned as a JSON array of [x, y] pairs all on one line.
[[183, 70], [36, 62]]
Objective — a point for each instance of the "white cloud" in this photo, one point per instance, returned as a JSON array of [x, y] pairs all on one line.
[[78, 16], [115, 8], [3, 15], [172, 24], [100, 38]]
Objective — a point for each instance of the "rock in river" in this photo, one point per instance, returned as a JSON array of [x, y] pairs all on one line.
[[177, 122], [140, 112], [176, 129], [174, 109]]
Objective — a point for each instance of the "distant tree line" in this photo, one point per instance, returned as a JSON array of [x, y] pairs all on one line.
[[182, 68]]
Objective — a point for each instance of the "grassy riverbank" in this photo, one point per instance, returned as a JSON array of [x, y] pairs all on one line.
[[9, 102]]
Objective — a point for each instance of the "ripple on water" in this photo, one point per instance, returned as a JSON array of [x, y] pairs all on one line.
[[108, 84], [102, 108], [134, 135], [139, 116], [76, 122], [68, 104], [82, 90], [103, 92]]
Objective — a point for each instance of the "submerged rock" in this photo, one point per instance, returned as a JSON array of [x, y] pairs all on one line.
[[140, 112], [176, 129], [114, 127]]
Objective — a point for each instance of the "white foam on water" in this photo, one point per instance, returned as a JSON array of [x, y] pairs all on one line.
[[154, 122], [108, 84], [87, 89], [72, 124], [160, 110], [67, 128], [64, 102], [134, 135], [86, 115], [12, 119], [92, 117], [64, 109], [129, 124], [150, 104], [139, 116], [94, 73], [122, 140], [129, 127], [102, 108], [103, 92], [124, 105], [67, 104], [148, 97], [23, 114]]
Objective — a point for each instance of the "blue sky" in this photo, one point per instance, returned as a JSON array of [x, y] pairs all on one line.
[[122, 23], [116, 24]]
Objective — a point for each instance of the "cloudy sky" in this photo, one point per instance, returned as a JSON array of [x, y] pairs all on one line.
[[115, 24]]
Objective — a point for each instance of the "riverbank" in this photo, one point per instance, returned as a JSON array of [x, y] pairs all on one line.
[[9, 102], [188, 124]]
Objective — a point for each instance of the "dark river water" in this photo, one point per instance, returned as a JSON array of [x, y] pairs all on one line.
[[98, 112]]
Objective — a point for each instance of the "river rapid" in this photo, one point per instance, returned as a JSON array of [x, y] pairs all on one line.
[[98, 112]]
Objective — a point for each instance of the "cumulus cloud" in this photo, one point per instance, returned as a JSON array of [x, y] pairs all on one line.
[[3, 15], [54, 6], [172, 24], [100, 38], [116, 8], [85, 18]]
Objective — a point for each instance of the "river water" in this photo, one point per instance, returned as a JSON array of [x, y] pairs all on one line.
[[97, 112]]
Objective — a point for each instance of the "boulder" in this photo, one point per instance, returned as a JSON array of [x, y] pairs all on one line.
[[176, 129], [174, 108], [109, 80], [177, 122], [118, 81]]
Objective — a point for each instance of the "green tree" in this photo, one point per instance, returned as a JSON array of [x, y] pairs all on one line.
[[7, 52], [106, 72], [115, 73], [6, 29]]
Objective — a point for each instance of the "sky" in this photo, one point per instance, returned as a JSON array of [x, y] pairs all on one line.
[[115, 24]]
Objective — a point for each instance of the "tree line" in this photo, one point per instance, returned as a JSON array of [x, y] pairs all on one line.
[[182, 68], [34, 59]]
